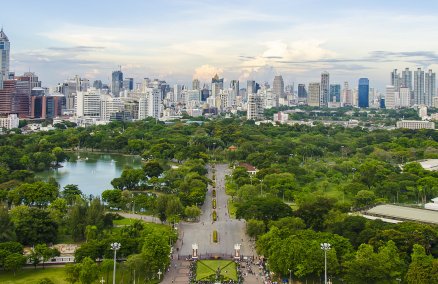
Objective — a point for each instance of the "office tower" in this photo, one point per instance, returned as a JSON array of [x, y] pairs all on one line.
[[128, 84], [278, 87], [324, 89], [6, 96], [302, 92], [145, 85], [97, 84], [407, 79], [255, 107], [419, 87], [219, 82], [364, 92], [205, 93], [117, 83], [196, 85], [346, 99], [150, 104], [4, 55], [44, 105], [109, 106], [430, 87], [234, 85], [335, 93], [405, 97], [395, 80], [314, 92], [177, 93], [88, 104], [390, 97], [251, 87]]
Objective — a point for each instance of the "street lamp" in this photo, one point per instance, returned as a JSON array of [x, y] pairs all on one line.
[[290, 275], [115, 247], [261, 187], [159, 274], [325, 247]]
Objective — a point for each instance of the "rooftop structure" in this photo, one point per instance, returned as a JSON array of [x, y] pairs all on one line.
[[404, 213]]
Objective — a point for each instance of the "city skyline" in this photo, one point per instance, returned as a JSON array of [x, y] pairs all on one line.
[[181, 40]]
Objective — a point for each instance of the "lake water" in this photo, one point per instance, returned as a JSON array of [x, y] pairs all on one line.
[[90, 171]]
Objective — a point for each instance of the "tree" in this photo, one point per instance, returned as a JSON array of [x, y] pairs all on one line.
[[107, 266], [38, 194], [192, 212], [314, 210], [89, 271], [263, 208], [421, 268], [33, 225], [156, 252], [255, 228], [45, 253], [364, 198], [152, 168], [71, 192], [72, 272], [45, 281], [7, 232], [14, 262], [113, 197], [59, 154]]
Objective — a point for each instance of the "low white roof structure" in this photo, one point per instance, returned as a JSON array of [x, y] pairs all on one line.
[[429, 164], [404, 213]]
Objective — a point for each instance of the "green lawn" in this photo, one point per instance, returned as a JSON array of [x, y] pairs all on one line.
[[123, 222], [30, 276], [207, 268]]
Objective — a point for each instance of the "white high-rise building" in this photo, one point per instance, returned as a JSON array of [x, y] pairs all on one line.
[[395, 80], [278, 87], [255, 107], [325, 89], [10, 121], [419, 87], [150, 104], [4, 55], [405, 97], [110, 105], [390, 97], [346, 99], [313, 94], [88, 104], [430, 87], [177, 93], [407, 79]]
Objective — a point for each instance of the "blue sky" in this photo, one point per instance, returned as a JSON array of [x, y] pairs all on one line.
[[179, 40]]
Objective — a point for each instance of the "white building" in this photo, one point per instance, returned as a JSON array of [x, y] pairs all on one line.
[[281, 117], [110, 105], [150, 104], [10, 121], [255, 107], [391, 97], [422, 112], [415, 124], [405, 97], [313, 94], [432, 205], [88, 103]]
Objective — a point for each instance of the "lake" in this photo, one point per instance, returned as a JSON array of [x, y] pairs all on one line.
[[92, 172]]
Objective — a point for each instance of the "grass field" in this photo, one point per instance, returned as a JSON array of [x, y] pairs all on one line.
[[207, 268], [31, 276], [123, 222]]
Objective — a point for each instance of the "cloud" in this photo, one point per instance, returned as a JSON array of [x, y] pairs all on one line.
[[77, 48], [205, 72]]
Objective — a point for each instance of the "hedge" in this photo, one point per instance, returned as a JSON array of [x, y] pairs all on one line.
[[213, 203], [214, 192], [214, 215], [214, 236]]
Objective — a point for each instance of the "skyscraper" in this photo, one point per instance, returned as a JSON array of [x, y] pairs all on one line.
[[4, 55], [278, 87], [234, 85], [395, 80], [324, 89], [302, 92], [407, 79], [218, 82], [196, 85], [128, 84], [364, 92], [335, 93], [117, 83], [419, 87], [251, 87], [430, 87], [314, 94]]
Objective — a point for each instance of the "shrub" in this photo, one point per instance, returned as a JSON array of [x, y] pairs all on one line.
[[214, 215], [214, 236], [214, 193], [213, 203]]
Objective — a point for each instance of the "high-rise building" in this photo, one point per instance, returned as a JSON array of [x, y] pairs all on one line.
[[255, 107], [234, 85], [391, 97], [128, 84], [364, 92], [430, 87], [395, 80], [150, 104], [314, 91], [196, 85], [405, 97], [324, 89], [407, 79], [346, 99], [88, 104], [218, 81], [302, 92], [335, 93], [251, 87], [117, 83], [419, 87], [278, 87], [97, 84], [4, 55]]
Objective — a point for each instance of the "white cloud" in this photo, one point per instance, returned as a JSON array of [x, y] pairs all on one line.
[[205, 72]]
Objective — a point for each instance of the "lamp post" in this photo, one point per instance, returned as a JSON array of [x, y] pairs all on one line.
[[325, 247], [261, 187], [159, 274], [115, 247], [290, 275]]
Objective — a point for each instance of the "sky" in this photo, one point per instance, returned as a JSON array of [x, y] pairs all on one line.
[[180, 40]]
